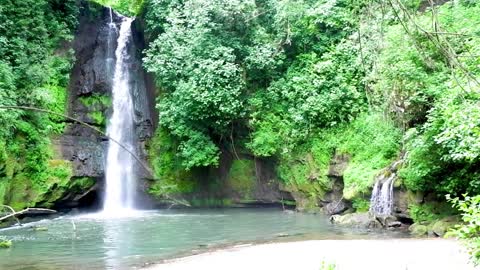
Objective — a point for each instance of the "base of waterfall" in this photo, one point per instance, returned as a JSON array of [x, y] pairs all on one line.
[[120, 213], [389, 254]]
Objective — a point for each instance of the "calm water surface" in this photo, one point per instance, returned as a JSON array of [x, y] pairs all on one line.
[[148, 236]]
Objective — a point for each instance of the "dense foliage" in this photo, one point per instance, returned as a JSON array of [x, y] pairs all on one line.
[[298, 81], [34, 69], [295, 82], [125, 7], [469, 231], [440, 98], [259, 65]]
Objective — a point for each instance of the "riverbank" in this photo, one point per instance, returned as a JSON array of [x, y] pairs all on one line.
[[389, 254]]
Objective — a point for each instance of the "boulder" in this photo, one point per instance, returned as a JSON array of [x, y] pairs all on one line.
[[418, 229], [440, 227], [358, 220], [335, 208]]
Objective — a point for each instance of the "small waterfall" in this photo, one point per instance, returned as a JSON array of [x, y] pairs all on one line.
[[381, 202], [111, 15], [119, 171]]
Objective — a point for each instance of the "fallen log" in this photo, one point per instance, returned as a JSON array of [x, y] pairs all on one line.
[[29, 210]]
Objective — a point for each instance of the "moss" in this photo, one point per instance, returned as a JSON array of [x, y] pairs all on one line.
[[431, 211], [24, 192], [418, 229], [242, 178], [97, 104], [361, 204], [441, 227], [211, 202], [173, 179], [288, 202], [3, 189], [5, 243], [20, 192], [96, 101], [304, 173], [98, 118], [81, 184]]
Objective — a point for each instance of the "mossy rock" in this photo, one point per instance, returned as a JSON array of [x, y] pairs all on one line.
[[242, 178], [306, 202], [418, 229], [441, 227], [174, 179], [81, 184], [24, 191], [6, 243], [357, 220]]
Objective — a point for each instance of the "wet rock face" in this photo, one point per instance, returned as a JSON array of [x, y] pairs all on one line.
[[90, 76], [239, 181], [86, 155], [333, 202], [90, 93]]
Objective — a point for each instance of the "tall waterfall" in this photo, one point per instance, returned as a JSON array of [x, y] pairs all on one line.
[[381, 202], [119, 171]]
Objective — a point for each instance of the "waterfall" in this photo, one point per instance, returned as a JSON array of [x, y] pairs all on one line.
[[381, 202], [119, 171]]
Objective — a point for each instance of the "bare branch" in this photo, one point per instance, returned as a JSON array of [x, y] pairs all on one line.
[[14, 214]]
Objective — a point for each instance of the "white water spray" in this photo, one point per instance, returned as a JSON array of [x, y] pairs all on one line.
[[381, 202], [111, 15], [119, 172]]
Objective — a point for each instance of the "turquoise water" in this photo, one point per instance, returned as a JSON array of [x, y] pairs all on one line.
[[149, 236]]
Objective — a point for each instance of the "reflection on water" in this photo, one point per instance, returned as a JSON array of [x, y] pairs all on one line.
[[121, 243]]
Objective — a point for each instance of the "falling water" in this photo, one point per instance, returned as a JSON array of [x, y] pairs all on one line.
[[381, 202], [120, 179], [112, 33], [111, 15]]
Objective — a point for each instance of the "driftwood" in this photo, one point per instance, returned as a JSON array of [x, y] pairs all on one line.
[[14, 213]]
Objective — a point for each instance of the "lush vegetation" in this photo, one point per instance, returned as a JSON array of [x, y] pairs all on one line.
[[443, 140], [125, 7], [34, 71], [303, 81], [296, 82], [470, 229]]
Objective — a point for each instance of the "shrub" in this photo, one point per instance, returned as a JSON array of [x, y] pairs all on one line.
[[469, 231]]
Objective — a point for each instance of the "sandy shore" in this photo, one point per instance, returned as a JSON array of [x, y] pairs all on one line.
[[390, 254]]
